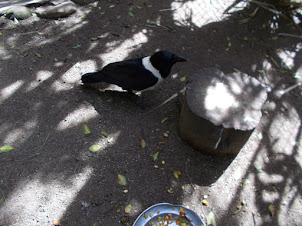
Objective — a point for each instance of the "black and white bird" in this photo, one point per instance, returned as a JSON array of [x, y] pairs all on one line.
[[137, 74]]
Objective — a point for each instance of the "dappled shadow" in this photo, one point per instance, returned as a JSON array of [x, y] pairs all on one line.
[[52, 174]]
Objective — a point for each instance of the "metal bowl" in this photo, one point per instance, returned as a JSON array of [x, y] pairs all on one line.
[[168, 214]]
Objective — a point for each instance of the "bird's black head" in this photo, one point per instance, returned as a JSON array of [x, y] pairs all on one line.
[[164, 60]]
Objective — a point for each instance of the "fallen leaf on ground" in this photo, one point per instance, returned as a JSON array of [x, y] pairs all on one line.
[[131, 14], [128, 208], [176, 173], [155, 156], [95, 148], [1, 201], [183, 79], [86, 130], [166, 134], [245, 181], [211, 219], [77, 46], [38, 54], [150, 21], [163, 120], [104, 134], [121, 180], [170, 191], [271, 209], [6, 148], [259, 170], [142, 144]]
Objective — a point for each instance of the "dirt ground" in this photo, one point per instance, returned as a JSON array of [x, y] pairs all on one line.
[[51, 174]]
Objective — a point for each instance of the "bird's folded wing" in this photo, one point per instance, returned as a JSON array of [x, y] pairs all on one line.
[[129, 75]]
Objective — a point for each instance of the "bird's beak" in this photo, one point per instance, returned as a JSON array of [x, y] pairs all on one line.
[[180, 59]]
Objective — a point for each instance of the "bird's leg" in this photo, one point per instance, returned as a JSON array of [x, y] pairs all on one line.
[[138, 100]]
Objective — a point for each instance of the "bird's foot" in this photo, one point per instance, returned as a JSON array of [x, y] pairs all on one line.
[[138, 100]]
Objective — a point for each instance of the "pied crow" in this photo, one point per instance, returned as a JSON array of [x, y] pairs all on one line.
[[137, 74]]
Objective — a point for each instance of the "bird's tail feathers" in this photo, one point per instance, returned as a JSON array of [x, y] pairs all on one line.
[[93, 77]]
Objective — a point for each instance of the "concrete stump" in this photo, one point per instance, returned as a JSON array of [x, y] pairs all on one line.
[[220, 111]]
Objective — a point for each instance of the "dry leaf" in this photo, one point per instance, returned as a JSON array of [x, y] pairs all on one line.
[[104, 134], [271, 209], [163, 120], [6, 148], [86, 130], [259, 170], [95, 148], [155, 156], [211, 219], [121, 180], [170, 191], [128, 208], [176, 173], [183, 79], [142, 144]]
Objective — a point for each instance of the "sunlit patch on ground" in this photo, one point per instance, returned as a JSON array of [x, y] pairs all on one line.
[[80, 115], [42, 202]]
